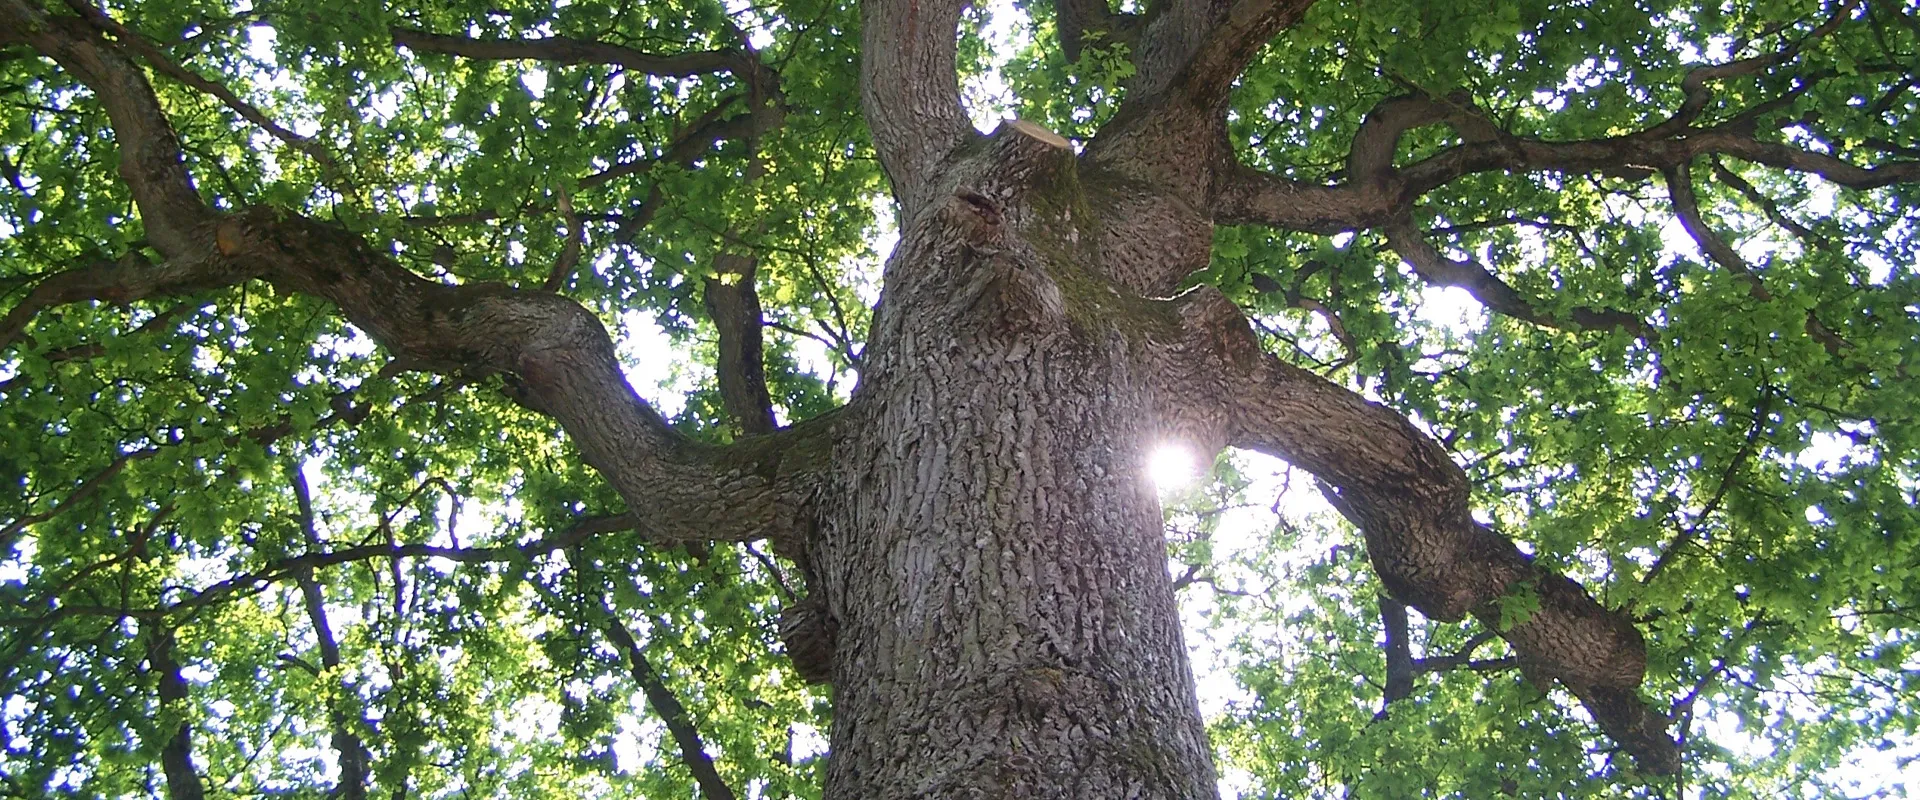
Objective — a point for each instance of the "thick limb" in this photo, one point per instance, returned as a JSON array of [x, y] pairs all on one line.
[[556, 356]]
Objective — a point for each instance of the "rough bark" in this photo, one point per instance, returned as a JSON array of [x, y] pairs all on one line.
[[910, 90], [991, 551]]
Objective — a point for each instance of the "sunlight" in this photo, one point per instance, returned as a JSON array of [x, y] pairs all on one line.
[[1172, 468]]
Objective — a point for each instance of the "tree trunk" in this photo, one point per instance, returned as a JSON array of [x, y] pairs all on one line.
[[991, 550]]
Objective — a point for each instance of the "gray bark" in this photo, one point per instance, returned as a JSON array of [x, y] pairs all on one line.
[[991, 551]]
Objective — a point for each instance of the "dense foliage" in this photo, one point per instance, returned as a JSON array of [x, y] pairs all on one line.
[[229, 513]]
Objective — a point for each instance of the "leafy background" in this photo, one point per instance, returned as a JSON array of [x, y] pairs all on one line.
[[158, 449]]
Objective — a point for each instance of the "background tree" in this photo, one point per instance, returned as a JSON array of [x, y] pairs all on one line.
[[322, 318]]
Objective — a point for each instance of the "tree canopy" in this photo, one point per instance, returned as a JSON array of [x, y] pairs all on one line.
[[1646, 271]]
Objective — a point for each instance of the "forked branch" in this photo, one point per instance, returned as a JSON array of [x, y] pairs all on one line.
[[1171, 129], [1379, 194], [555, 356]]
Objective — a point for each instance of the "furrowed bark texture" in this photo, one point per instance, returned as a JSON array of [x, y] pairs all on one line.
[[991, 551]]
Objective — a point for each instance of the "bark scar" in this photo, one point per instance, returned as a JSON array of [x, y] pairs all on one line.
[[988, 210]]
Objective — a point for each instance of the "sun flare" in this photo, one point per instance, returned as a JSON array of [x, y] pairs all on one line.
[[1172, 468]]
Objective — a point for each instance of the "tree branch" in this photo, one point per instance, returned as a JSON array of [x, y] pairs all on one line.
[[570, 252], [555, 355], [1194, 49], [1463, 657], [150, 160], [734, 304], [672, 713], [176, 756], [1378, 194], [910, 91], [282, 569], [351, 753], [1399, 653], [10, 534], [568, 50], [692, 142], [168, 67], [1409, 500], [1686, 205], [1491, 291], [1076, 20], [118, 282], [1171, 129], [342, 407], [1694, 86], [1377, 190], [1687, 535], [10, 330], [1766, 204]]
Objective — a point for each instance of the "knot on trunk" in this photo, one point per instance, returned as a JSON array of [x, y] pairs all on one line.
[[808, 629], [976, 217]]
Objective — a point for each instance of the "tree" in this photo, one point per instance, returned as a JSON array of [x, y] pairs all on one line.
[[252, 246]]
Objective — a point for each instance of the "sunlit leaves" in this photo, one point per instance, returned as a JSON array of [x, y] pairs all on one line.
[[150, 444]]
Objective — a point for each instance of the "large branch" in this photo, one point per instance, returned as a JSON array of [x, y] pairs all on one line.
[[150, 159], [1377, 188], [1410, 501], [558, 359], [910, 90], [1243, 195], [1194, 49], [555, 354], [153, 55], [1171, 130], [734, 305]]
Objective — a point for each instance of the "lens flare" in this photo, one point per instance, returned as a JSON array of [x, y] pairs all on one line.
[[1172, 468]]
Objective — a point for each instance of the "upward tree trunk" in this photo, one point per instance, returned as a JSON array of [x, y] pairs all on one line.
[[991, 551]]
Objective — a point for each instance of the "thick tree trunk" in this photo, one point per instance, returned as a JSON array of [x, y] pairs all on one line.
[[991, 550]]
